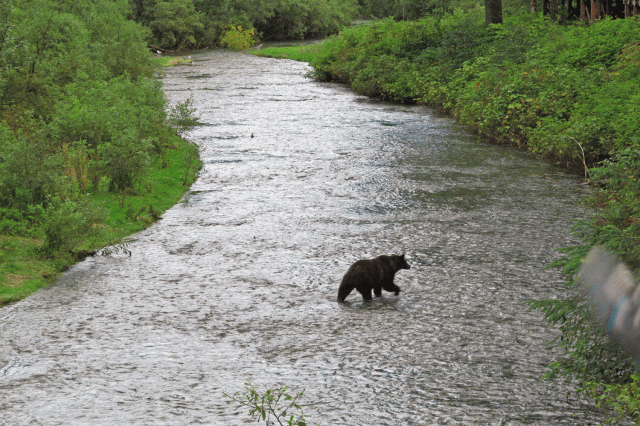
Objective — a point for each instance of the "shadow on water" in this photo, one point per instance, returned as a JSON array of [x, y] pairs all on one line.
[[239, 281], [377, 304]]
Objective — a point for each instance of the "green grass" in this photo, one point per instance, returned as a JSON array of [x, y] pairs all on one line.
[[170, 61], [158, 191], [26, 268], [23, 270], [302, 53]]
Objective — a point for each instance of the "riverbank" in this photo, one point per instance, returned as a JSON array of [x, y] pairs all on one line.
[[567, 93], [28, 266], [90, 151]]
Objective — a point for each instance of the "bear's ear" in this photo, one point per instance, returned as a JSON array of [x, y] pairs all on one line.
[[402, 256]]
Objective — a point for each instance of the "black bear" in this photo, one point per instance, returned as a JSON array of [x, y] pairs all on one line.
[[374, 274]]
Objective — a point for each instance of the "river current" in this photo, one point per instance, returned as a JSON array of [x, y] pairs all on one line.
[[238, 282]]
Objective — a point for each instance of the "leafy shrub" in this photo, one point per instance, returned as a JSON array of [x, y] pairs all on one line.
[[274, 403], [29, 171], [297, 19], [97, 111], [124, 159], [191, 163], [622, 400], [464, 41], [512, 42], [46, 44], [238, 39], [78, 166], [117, 122], [68, 224], [179, 24], [12, 222], [79, 108], [595, 46], [182, 116]]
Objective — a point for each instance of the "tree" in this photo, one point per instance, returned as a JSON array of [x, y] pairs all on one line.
[[493, 11], [176, 24]]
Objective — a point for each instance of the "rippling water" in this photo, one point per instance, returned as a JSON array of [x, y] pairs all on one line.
[[238, 282]]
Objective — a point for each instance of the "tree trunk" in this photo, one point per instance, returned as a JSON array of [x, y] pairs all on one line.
[[493, 11], [584, 15], [595, 9]]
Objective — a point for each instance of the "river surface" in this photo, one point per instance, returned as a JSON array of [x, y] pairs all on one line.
[[238, 282]]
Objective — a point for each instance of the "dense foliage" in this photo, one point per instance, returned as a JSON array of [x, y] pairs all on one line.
[[567, 93], [189, 24], [417, 9], [81, 115]]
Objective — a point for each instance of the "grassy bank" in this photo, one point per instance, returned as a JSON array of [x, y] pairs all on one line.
[[89, 149], [568, 93], [172, 61], [26, 263], [302, 53]]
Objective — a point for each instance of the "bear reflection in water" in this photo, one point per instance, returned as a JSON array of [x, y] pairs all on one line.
[[372, 274]]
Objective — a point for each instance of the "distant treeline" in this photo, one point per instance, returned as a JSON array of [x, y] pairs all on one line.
[[190, 24]]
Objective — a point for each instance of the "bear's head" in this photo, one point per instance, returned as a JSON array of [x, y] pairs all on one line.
[[400, 262]]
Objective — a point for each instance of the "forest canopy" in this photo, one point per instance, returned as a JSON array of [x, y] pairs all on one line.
[[189, 24]]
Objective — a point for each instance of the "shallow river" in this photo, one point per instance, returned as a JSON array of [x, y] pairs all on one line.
[[238, 282]]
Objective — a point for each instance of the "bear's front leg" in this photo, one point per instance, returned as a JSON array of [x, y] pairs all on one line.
[[377, 291], [366, 294], [392, 288]]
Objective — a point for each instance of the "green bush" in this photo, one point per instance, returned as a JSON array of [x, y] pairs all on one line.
[[69, 224], [14, 222], [238, 39], [124, 159], [291, 19], [96, 111], [46, 44], [191, 163], [623, 401], [80, 109], [464, 41], [29, 168]]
